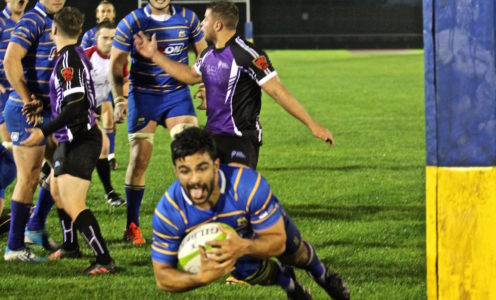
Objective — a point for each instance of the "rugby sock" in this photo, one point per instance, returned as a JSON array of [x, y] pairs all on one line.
[[314, 267], [134, 195], [283, 279], [87, 224], [103, 169], [19, 216], [111, 136], [42, 209], [2, 193], [70, 235]]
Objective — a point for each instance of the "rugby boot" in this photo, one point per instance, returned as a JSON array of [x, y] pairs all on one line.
[[133, 234], [40, 238]]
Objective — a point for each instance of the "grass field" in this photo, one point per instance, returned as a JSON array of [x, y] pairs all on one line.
[[361, 202]]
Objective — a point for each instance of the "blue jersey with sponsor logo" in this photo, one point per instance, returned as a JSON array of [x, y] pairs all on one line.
[[174, 36], [89, 38], [6, 28], [32, 32], [246, 203]]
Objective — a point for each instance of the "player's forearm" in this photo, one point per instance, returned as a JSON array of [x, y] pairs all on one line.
[[15, 75], [179, 71], [293, 107], [117, 76], [173, 280]]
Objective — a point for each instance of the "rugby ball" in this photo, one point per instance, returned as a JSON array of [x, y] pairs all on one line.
[[189, 252]]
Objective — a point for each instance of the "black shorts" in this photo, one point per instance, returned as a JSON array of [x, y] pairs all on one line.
[[78, 157], [238, 149]]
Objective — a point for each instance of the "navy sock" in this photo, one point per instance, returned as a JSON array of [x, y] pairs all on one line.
[[111, 137], [42, 209], [87, 224], [19, 216], [314, 267], [2, 193], [134, 195], [68, 230]]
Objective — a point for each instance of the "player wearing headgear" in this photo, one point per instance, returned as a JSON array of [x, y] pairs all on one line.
[[105, 11], [12, 12], [234, 72], [28, 63], [155, 98], [99, 56], [207, 191], [73, 124]]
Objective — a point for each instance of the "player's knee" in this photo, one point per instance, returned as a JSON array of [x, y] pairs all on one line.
[[140, 136], [179, 128], [300, 258]]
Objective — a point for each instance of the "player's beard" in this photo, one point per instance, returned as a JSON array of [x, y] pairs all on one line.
[[208, 187]]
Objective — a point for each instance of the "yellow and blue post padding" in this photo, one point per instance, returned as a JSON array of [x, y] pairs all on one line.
[[460, 111]]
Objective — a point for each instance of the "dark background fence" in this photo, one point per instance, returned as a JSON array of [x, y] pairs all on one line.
[[315, 24]]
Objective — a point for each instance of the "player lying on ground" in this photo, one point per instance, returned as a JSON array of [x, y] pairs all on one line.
[[79, 140], [207, 191], [234, 72]]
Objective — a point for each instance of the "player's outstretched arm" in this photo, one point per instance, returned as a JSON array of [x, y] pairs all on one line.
[[281, 95], [269, 242], [148, 48], [14, 70], [170, 279]]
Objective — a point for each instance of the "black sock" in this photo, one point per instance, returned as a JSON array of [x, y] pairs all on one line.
[[87, 224], [103, 169], [68, 230]]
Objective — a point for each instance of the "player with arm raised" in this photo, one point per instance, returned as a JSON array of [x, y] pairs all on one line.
[[73, 124], [234, 72], [155, 98], [207, 191]]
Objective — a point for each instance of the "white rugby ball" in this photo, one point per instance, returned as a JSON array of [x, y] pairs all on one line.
[[189, 253]]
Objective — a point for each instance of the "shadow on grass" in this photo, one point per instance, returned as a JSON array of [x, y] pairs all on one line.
[[357, 212], [313, 168]]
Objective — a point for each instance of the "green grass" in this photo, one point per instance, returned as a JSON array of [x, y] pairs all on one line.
[[361, 202]]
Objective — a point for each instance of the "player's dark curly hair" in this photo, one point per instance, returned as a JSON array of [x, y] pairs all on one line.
[[193, 140], [227, 11], [70, 21]]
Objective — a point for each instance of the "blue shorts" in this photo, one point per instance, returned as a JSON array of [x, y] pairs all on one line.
[[248, 266], [109, 98], [143, 108], [7, 168], [17, 123], [3, 101]]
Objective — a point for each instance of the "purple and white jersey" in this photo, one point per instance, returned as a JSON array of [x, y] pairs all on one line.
[[70, 81], [233, 76]]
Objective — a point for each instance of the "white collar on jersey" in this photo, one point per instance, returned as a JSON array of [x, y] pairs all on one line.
[[160, 18], [222, 179]]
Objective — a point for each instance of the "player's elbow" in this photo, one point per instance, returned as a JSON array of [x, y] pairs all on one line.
[[280, 243], [163, 286]]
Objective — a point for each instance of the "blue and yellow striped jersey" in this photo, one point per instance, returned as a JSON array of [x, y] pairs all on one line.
[[173, 38], [6, 28], [32, 32], [89, 39], [246, 204]]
